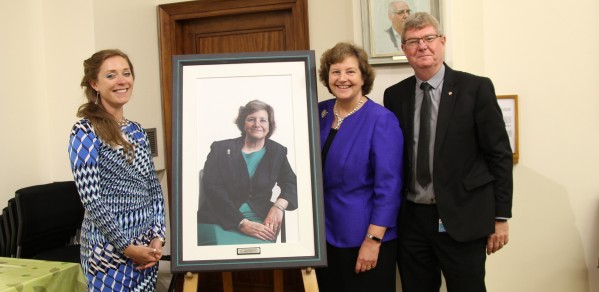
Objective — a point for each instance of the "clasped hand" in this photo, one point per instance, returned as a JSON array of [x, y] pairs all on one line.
[[145, 256], [268, 230]]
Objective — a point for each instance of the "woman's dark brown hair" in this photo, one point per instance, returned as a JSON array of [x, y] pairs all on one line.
[[337, 54]]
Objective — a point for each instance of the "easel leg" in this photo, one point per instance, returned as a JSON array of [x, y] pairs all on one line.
[[227, 281], [190, 283], [310, 282], [278, 280]]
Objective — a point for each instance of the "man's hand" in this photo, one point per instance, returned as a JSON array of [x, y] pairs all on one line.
[[500, 238]]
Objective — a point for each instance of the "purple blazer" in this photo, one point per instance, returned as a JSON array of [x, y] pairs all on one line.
[[362, 174]]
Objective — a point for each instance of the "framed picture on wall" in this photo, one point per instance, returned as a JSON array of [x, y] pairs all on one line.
[[382, 21], [509, 109], [247, 190]]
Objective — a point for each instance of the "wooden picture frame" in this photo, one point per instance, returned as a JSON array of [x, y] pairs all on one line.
[[509, 108], [208, 91]]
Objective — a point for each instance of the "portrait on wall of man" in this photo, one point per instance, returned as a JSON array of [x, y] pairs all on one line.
[[382, 23]]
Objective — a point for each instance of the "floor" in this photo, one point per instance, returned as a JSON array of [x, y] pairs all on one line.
[[164, 280]]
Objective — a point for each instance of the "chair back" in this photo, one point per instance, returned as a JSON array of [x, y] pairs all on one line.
[[7, 231], [48, 217], [2, 238], [11, 221]]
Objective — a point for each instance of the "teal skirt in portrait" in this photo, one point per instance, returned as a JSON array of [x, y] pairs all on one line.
[[214, 234]]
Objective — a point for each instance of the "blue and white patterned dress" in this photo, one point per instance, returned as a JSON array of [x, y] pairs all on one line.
[[123, 205]]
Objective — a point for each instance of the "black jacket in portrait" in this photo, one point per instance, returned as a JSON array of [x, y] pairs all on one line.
[[226, 183]]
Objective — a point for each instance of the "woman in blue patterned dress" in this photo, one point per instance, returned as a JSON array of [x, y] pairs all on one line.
[[123, 229]]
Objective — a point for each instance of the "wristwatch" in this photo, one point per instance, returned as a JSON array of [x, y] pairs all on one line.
[[373, 237]]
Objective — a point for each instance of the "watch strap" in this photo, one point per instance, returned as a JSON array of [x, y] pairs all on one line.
[[377, 239]]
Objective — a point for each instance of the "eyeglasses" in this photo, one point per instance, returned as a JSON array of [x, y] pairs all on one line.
[[403, 11], [427, 39]]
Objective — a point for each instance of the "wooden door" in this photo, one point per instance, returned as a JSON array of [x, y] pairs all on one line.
[[221, 26], [229, 26]]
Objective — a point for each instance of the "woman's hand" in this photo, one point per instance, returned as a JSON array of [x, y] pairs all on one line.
[[145, 256], [367, 256], [369, 250], [157, 243], [257, 230], [274, 218]]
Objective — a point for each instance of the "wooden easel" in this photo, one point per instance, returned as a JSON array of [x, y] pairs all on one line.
[[190, 283]]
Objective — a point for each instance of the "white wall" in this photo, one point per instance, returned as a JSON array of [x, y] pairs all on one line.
[[554, 236], [19, 98]]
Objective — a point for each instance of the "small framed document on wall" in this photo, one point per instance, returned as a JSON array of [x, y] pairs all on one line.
[[509, 108]]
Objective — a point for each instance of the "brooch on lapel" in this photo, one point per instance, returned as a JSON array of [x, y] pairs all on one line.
[[323, 114]]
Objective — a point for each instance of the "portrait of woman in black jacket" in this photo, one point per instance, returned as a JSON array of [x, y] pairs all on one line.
[[236, 198]]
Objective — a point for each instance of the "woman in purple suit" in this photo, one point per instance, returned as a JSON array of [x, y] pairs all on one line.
[[362, 147]]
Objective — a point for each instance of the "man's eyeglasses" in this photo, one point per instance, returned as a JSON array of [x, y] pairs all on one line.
[[427, 39], [403, 11]]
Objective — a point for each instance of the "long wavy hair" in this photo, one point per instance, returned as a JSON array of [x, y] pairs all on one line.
[[105, 126]]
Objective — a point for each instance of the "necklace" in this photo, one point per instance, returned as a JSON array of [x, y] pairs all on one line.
[[122, 122], [339, 119]]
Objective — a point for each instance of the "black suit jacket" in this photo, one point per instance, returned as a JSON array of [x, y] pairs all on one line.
[[396, 42], [472, 166], [227, 182]]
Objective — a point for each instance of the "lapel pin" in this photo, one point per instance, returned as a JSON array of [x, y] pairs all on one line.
[[323, 113]]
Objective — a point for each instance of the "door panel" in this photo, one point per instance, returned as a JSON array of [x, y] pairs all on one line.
[[252, 41], [255, 32]]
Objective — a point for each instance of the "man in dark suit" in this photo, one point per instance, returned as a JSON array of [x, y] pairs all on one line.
[[458, 172], [397, 12]]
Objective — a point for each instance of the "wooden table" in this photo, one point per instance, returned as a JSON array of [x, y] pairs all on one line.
[[25, 275]]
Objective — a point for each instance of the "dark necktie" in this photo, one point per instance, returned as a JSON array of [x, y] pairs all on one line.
[[423, 174]]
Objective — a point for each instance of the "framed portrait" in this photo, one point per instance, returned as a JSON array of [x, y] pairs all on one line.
[[382, 22], [246, 149], [509, 109]]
